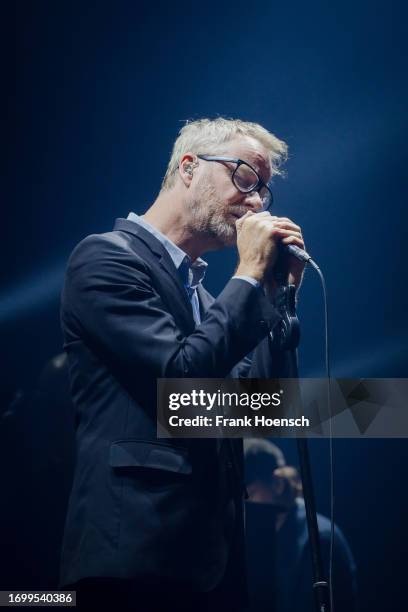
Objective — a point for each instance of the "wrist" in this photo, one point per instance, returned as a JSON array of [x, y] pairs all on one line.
[[250, 271]]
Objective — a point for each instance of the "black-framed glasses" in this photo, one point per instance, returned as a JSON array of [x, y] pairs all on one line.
[[245, 178]]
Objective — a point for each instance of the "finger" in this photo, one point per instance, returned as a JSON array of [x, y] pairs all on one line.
[[287, 224], [284, 233], [294, 240], [280, 223], [265, 214], [240, 221], [285, 219]]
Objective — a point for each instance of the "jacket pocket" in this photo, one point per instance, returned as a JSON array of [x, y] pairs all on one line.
[[146, 454]]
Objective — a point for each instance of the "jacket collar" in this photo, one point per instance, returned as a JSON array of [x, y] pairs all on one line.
[[124, 225]]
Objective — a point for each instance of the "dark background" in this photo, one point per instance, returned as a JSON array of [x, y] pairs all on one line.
[[101, 91]]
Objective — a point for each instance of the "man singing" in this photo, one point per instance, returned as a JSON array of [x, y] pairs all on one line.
[[157, 524]]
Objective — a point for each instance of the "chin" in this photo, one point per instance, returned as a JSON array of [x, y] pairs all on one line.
[[226, 234], [231, 240]]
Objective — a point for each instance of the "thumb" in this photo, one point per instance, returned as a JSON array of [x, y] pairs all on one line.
[[240, 221]]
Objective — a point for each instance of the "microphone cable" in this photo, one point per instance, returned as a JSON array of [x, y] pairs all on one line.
[[331, 449]]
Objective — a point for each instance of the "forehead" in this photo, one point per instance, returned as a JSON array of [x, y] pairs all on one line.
[[252, 151]]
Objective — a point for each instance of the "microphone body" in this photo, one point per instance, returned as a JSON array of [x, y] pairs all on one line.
[[297, 252]]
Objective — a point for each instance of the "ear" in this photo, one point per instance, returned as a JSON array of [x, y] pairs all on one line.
[[186, 168]]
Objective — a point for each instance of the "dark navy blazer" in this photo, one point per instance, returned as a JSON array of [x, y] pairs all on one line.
[[142, 507]]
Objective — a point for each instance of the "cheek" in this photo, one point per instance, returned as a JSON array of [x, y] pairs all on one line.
[[206, 189], [216, 197], [224, 188]]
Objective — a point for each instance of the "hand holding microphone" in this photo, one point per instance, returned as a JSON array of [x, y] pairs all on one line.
[[260, 239]]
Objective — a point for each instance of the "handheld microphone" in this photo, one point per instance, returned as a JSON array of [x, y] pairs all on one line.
[[297, 252]]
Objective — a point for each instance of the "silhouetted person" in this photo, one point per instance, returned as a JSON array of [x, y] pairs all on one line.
[[287, 586]]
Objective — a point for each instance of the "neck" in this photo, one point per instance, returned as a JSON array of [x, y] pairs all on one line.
[[169, 215]]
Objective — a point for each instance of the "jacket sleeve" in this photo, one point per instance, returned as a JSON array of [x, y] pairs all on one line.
[[109, 301]]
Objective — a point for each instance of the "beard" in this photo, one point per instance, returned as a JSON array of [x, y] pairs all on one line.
[[210, 216]]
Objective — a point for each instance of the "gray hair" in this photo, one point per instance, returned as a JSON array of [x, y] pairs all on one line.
[[208, 136]]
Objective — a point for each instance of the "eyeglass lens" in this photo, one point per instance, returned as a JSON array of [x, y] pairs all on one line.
[[245, 180]]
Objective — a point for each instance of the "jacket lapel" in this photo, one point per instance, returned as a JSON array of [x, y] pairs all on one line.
[[170, 285]]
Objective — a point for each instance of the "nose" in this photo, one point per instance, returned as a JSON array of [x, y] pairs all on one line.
[[254, 201]]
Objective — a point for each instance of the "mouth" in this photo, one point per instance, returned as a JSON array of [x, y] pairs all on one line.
[[238, 214]]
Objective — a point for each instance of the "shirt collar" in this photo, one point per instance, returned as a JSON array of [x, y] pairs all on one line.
[[192, 272]]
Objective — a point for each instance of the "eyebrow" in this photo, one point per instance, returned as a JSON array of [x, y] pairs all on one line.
[[256, 167], [259, 172]]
